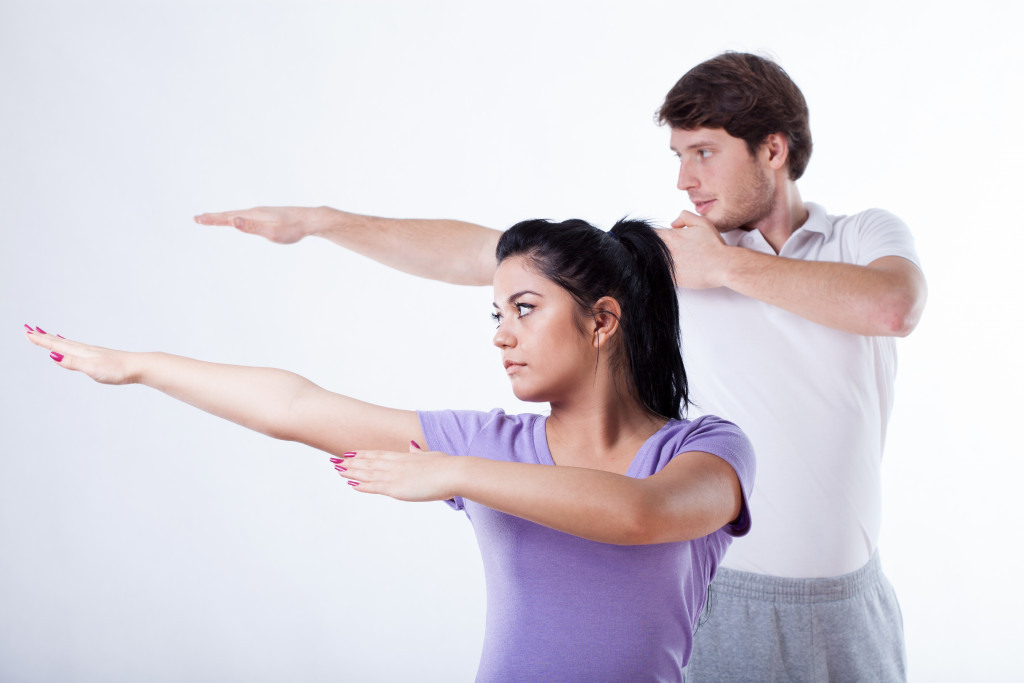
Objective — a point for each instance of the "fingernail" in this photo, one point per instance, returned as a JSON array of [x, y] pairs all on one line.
[[30, 330], [353, 483], [415, 445], [350, 454], [40, 330], [340, 468], [61, 337], [335, 459], [56, 356]]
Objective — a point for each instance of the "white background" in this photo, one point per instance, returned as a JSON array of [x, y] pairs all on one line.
[[142, 540]]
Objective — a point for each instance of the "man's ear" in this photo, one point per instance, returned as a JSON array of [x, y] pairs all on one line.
[[776, 148], [605, 322]]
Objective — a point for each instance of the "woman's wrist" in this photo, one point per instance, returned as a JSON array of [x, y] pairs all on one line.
[[461, 472]]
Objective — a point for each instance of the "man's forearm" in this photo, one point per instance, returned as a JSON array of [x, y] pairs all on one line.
[[438, 249], [885, 298]]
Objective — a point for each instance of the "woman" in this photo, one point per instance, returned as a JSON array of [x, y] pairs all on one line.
[[601, 525]]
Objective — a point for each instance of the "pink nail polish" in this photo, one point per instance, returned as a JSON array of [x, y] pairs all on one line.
[[40, 330], [335, 460], [415, 445], [353, 483], [62, 337], [340, 468], [56, 356], [350, 454], [30, 330]]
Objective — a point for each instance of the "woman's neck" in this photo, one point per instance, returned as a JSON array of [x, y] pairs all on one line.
[[604, 433]]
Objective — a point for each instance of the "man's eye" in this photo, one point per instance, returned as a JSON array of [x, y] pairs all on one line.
[[704, 153]]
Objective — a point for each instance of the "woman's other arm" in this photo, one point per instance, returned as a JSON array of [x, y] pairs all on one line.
[[694, 495], [274, 402]]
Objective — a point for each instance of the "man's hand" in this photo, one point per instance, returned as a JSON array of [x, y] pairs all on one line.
[[279, 224], [698, 251]]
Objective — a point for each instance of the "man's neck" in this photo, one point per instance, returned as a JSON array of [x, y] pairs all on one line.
[[787, 215]]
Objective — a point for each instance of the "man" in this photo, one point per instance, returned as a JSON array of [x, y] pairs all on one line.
[[788, 318]]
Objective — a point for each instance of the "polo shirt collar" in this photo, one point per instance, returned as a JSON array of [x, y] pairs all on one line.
[[817, 221]]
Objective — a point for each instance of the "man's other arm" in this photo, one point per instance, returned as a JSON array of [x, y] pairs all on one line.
[[883, 298], [438, 249]]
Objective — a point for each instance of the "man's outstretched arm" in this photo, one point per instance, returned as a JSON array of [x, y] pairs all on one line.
[[438, 249]]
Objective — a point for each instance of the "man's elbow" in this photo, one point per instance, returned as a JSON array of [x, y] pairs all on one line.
[[896, 321], [896, 310]]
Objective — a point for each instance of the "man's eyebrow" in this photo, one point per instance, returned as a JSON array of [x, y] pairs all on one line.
[[515, 296], [695, 145]]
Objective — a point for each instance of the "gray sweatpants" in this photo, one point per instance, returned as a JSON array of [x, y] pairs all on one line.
[[765, 628]]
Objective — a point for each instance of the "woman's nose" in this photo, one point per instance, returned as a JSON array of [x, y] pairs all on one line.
[[502, 338]]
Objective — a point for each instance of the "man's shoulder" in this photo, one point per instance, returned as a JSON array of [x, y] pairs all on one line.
[[868, 217], [863, 236]]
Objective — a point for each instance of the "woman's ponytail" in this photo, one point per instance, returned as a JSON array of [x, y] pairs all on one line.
[[650, 320]]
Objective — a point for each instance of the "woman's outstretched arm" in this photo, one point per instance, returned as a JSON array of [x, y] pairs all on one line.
[[274, 402], [694, 495]]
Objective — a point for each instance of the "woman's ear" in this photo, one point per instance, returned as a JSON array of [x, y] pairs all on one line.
[[606, 320]]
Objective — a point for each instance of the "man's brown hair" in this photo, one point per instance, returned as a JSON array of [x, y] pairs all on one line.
[[750, 97]]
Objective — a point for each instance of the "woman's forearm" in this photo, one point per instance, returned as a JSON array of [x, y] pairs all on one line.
[[697, 496], [261, 399]]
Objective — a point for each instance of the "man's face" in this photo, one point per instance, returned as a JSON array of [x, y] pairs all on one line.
[[726, 184]]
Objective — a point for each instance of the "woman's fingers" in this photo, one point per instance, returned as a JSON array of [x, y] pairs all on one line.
[[105, 366], [412, 476], [41, 337]]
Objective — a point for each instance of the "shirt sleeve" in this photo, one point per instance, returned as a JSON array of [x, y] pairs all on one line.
[[876, 233], [452, 432], [710, 434]]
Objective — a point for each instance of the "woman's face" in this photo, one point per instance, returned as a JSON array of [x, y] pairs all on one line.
[[545, 354]]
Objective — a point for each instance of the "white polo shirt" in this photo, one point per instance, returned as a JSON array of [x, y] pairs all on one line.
[[814, 401]]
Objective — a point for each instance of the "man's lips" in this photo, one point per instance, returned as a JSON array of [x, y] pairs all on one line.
[[702, 205]]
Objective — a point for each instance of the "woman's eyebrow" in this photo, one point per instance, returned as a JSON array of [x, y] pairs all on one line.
[[515, 296]]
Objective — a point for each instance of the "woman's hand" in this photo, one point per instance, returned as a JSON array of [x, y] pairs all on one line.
[[106, 366], [416, 476]]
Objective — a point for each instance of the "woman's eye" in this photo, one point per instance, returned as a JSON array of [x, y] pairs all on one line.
[[496, 317], [704, 153], [523, 309]]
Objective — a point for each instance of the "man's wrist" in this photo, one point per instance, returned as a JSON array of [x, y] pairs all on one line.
[[734, 263]]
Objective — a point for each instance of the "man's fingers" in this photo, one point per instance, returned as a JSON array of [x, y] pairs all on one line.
[[223, 218], [686, 219], [246, 224]]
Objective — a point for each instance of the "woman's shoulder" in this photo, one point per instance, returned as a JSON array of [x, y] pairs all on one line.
[[710, 434], [705, 425], [454, 431]]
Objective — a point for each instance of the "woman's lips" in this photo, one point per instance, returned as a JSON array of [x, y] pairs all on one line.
[[512, 367]]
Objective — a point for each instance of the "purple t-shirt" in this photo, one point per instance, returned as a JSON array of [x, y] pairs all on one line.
[[563, 608]]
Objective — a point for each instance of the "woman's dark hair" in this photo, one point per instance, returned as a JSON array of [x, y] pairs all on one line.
[[632, 265], [750, 97]]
